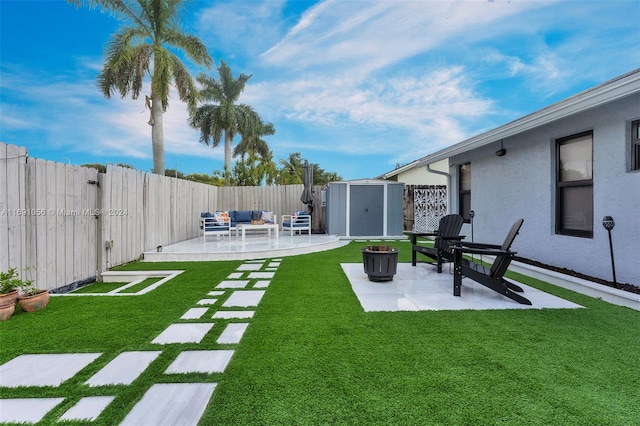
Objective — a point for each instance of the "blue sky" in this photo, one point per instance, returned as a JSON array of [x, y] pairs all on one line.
[[355, 86]]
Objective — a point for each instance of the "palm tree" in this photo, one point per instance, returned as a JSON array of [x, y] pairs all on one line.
[[291, 172], [253, 142], [140, 48], [224, 116]]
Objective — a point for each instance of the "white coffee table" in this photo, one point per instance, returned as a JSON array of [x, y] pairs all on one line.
[[268, 226]]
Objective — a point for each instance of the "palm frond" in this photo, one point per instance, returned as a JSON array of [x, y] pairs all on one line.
[[187, 90], [232, 87], [195, 50]]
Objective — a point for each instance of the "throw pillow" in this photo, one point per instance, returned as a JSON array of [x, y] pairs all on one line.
[[267, 217], [222, 217]]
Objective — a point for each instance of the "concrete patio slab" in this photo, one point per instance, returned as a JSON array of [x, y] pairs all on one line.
[[233, 314], [232, 333], [255, 246], [244, 299], [194, 313], [417, 288], [259, 275], [183, 333], [249, 267], [88, 408], [124, 368], [26, 410], [53, 369], [171, 404], [233, 284], [200, 362]]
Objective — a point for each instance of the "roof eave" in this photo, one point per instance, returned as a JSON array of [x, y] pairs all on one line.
[[620, 87]]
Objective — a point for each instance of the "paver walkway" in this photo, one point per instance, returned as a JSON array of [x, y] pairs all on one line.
[[163, 403]]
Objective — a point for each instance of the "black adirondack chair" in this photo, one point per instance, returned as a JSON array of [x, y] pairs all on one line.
[[447, 234], [494, 276]]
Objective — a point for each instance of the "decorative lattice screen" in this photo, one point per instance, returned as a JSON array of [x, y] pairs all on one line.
[[430, 205]]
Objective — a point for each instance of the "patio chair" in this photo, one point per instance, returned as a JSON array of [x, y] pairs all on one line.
[[493, 277], [209, 225], [297, 223], [448, 233]]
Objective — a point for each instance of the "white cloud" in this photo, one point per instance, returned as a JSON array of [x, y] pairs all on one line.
[[76, 117], [366, 36]]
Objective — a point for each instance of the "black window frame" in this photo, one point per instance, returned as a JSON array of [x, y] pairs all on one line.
[[464, 193], [560, 185], [635, 145]]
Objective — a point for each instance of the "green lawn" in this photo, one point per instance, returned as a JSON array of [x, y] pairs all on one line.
[[312, 356]]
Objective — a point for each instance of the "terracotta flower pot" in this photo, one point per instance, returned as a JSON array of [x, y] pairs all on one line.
[[9, 298], [6, 311], [36, 302]]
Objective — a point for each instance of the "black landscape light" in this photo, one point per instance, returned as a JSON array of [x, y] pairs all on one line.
[[609, 224], [471, 215]]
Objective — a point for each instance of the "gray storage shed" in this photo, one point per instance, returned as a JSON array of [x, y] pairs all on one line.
[[365, 208]]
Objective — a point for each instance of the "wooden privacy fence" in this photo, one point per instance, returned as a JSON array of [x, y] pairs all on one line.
[[62, 224]]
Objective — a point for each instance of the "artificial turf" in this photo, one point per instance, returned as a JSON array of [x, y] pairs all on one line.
[[312, 355]]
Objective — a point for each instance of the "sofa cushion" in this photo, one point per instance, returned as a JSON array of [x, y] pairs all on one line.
[[242, 216]]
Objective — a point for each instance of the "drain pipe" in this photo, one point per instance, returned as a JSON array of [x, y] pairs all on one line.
[[447, 175]]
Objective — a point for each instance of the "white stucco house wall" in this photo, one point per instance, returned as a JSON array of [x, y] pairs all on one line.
[[411, 174], [562, 169]]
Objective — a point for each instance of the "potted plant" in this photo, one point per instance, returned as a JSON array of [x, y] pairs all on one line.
[[9, 284], [32, 298]]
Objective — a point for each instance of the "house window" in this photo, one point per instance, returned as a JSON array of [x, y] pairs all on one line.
[[574, 185], [464, 194], [635, 145]]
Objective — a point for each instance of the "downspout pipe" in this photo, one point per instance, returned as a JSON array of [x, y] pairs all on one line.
[[447, 175]]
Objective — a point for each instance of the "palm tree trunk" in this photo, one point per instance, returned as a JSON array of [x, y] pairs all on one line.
[[227, 157], [157, 135]]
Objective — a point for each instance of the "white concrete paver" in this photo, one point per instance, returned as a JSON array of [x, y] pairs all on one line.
[[249, 267], [53, 369], [235, 275], [233, 314], [183, 333], [244, 298], [88, 408], [26, 410], [207, 301], [233, 284], [194, 313], [171, 404], [262, 284], [215, 293], [232, 333], [259, 275], [200, 362], [124, 368]]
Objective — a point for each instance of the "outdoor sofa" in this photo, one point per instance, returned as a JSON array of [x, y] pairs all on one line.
[[228, 220]]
